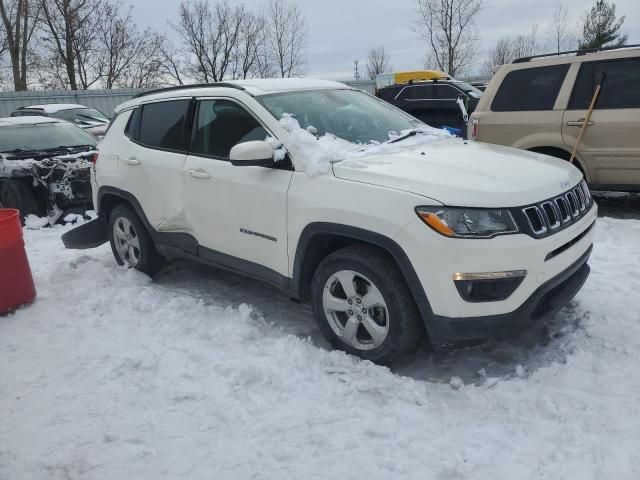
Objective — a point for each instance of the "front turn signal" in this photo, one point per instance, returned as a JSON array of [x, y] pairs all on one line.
[[434, 222]]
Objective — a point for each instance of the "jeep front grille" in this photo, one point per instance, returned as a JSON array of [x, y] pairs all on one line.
[[554, 214]]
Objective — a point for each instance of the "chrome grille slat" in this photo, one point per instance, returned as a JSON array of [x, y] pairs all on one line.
[[553, 217], [562, 204], [534, 216], [580, 195], [558, 212], [573, 203]]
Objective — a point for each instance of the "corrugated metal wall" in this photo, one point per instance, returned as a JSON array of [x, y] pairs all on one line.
[[103, 100]]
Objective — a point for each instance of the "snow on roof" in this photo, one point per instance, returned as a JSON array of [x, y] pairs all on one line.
[[55, 107], [35, 120], [263, 86]]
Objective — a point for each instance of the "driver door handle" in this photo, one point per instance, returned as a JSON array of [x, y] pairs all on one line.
[[199, 174], [579, 123], [132, 160]]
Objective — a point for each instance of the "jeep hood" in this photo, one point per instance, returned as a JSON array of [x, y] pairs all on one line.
[[464, 173]]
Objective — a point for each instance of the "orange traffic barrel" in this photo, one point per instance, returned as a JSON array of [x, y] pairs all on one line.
[[16, 282]]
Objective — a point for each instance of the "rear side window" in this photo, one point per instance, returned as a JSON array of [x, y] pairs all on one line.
[[621, 88], [424, 92], [222, 124], [132, 128], [162, 124], [447, 92], [530, 89]]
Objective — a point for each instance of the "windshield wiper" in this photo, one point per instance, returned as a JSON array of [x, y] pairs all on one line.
[[410, 133], [63, 147]]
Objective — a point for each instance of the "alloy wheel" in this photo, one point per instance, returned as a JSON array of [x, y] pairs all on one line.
[[355, 310], [126, 241]]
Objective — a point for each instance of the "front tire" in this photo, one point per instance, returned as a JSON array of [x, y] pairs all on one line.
[[130, 241], [363, 306]]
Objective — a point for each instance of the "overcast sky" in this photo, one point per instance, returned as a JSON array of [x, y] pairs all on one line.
[[341, 31]]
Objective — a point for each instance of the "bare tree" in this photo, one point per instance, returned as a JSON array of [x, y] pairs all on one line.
[[509, 48], [171, 60], [378, 62], [147, 67], [126, 56], [287, 36], [69, 32], [210, 37], [264, 66], [501, 54], [526, 45], [247, 48], [560, 34], [448, 28], [18, 20]]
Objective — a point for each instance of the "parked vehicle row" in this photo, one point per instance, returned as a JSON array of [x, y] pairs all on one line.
[[445, 238]]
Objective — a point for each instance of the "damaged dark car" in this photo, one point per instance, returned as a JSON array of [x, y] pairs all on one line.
[[45, 166]]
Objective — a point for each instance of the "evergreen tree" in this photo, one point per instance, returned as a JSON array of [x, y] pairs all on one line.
[[600, 27]]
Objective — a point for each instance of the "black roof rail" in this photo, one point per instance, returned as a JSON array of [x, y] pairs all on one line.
[[186, 87], [582, 51]]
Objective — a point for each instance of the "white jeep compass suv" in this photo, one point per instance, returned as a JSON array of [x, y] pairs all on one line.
[[391, 229]]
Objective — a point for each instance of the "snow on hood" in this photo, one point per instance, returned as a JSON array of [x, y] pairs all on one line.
[[463, 173], [318, 153]]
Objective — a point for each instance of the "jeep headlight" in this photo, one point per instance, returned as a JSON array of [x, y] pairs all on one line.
[[460, 222]]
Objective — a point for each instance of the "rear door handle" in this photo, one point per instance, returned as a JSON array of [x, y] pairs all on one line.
[[199, 174], [579, 123], [132, 160]]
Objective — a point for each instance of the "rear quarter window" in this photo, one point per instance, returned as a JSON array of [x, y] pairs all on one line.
[[530, 89]]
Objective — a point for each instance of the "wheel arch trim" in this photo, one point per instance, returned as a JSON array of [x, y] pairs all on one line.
[[358, 234]]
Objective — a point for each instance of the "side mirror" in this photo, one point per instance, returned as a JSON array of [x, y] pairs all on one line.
[[256, 153]]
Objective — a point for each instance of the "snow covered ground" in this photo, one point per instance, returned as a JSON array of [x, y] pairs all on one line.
[[202, 374]]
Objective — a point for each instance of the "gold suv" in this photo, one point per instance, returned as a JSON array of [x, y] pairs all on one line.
[[540, 103]]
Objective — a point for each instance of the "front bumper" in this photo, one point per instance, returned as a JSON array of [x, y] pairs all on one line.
[[437, 259], [542, 304]]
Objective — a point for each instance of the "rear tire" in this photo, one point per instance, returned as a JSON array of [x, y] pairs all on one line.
[[363, 306], [17, 194], [130, 241]]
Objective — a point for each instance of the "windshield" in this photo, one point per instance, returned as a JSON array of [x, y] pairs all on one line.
[[42, 137], [348, 114], [81, 115]]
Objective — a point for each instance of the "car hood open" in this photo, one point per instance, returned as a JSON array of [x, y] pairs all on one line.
[[465, 173]]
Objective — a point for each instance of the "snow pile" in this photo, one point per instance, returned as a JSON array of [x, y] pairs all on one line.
[[110, 375], [317, 154], [33, 222]]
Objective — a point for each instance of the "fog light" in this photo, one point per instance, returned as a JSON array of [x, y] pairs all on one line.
[[488, 286]]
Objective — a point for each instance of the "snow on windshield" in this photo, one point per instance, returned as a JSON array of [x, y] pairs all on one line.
[[318, 152]]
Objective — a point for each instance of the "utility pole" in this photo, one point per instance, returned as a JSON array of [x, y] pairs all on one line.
[[356, 72]]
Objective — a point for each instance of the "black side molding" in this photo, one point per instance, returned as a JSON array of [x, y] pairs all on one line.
[[88, 235]]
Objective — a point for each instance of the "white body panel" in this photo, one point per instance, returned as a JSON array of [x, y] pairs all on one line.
[[238, 211]]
